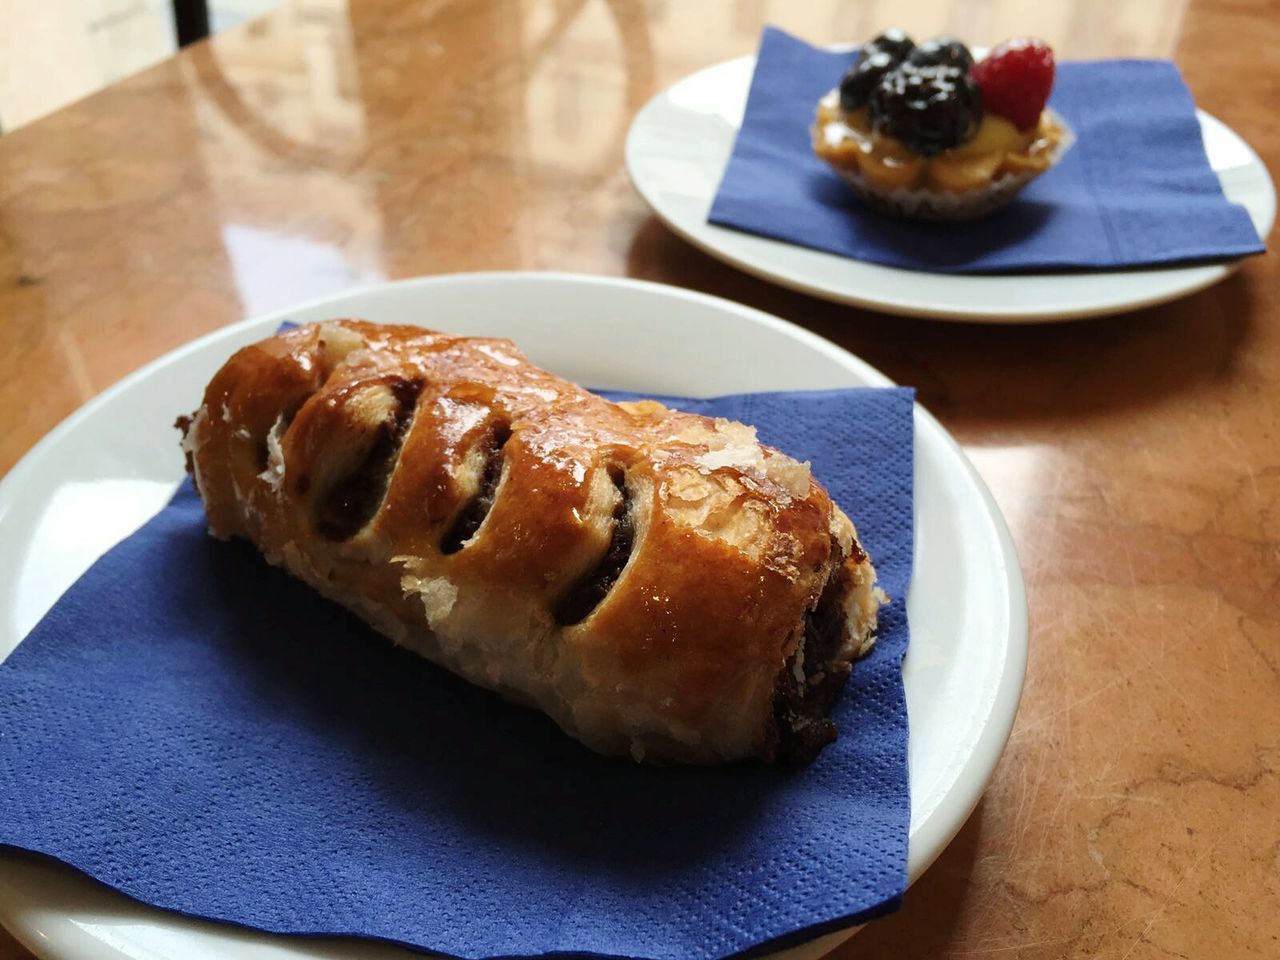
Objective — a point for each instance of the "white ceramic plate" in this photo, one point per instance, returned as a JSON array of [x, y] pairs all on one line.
[[114, 463], [676, 153]]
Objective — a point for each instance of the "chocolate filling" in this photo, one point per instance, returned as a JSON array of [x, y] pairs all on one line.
[[351, 503], [585, 595], [472, 515], [800, 707]]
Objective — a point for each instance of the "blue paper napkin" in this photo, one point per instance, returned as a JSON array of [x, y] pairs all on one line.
[[202, 732], [1135, 190]]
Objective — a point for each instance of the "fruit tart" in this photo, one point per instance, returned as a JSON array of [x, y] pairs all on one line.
[[926, 132]]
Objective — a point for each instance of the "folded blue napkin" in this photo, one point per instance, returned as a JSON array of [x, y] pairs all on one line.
[[1135, 190], [200, 731]]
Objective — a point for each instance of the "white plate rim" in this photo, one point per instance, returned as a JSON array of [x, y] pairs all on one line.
[[928, 838], [725, 244]]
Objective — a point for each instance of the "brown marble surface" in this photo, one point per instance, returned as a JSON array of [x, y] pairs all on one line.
[[1136, 812]]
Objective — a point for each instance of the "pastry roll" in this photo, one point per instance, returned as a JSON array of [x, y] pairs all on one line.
[[660, 584]]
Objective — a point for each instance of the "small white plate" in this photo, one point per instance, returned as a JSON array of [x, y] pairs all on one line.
[[113, 464], [680, 142]]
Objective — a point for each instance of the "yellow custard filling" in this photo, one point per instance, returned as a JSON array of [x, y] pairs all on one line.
[[847, 142]]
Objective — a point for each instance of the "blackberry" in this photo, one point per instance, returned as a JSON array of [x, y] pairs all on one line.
[[863, 77], [941, 52], [893, 42], [930, 109]]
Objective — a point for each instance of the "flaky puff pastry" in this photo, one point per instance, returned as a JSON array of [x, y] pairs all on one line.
[[658, 583]]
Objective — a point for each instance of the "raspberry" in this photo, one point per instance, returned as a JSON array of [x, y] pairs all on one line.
[[1016, 78]]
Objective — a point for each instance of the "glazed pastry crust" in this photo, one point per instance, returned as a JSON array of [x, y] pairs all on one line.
[[650, 579]]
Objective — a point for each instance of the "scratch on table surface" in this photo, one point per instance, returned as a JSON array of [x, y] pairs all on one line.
[[1078, 702], [1095, 853], [1159, 912], [1243, 456], [982, 951], [989, 951], [1140, 661], [1133, 574], [1066, 787], [1204, 718], [1242, 629], [1023, 826], [76, 365], [1222, 647], [1152, 919], [1022, 801]]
